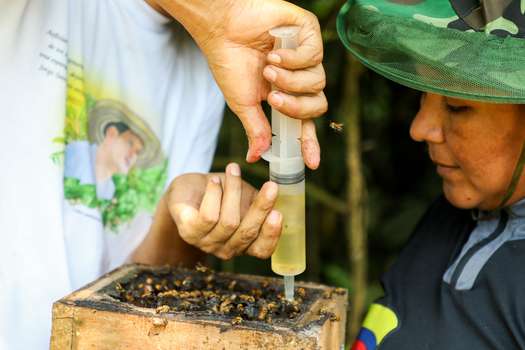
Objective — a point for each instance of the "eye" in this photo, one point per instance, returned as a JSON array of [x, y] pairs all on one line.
[[457, 109]]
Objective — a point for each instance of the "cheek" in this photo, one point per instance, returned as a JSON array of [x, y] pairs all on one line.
[[486, 164], [120, 149]]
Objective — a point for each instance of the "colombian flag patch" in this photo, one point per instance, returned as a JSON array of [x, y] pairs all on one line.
[[379, 322]]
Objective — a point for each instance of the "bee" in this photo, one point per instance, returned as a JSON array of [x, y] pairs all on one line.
[[337, 127], [237, 320]]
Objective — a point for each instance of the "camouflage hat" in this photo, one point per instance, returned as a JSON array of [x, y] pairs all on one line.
[[472, 49], [105, 112]]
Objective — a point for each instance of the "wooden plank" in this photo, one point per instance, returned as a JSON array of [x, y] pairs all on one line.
[[62, 333], [90, 319]]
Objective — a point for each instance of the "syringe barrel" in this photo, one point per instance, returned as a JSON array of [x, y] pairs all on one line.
[[289, 258]]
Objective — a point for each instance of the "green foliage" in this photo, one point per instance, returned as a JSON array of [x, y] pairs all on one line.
[[85, 194], [76, 122], [140, 190], [75, 125], [322, 8]]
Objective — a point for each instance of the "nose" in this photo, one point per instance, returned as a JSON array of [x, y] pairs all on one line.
[[428, 123]]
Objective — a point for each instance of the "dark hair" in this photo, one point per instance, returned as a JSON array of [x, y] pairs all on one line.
[[120, 126]]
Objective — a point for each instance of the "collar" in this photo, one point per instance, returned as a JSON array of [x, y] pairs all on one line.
[[516, 210]]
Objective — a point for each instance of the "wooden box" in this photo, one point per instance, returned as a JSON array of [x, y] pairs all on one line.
[[92, 318]]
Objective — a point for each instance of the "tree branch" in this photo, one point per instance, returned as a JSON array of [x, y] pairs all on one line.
[[355, 229]]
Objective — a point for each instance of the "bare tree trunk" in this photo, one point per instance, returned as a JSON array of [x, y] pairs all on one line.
[[355, 196]]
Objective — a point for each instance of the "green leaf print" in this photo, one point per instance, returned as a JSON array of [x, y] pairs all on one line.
[[139, 191]]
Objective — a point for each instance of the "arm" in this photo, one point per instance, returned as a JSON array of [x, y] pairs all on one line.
[[192, 14]]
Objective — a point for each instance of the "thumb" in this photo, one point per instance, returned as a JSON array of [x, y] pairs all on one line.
[[257, 129]]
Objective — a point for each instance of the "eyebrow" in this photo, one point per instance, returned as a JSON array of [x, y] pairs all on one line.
[[456, 100]]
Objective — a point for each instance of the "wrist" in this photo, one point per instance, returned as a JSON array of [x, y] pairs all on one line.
[[163, 244]]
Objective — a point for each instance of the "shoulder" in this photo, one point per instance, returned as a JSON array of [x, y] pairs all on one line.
[[441, 219], [439, 234]]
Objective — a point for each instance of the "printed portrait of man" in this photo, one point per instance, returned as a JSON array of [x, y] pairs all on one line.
[[118, 141], [118, 152]]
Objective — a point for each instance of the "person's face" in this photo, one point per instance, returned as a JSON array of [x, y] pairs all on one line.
[[125, 149], [475, 147]]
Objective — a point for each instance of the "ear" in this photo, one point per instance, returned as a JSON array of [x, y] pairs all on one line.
[[111, 132]]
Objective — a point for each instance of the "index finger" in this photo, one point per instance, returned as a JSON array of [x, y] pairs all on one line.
[[257, 129]]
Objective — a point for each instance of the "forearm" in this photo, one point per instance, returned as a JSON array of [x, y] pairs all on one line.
[[197, 16], [163, 245]]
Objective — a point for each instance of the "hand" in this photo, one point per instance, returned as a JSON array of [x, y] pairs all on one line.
[[234, 37], [224, 216]]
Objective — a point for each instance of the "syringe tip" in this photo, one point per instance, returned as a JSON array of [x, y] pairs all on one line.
[[289, 282]]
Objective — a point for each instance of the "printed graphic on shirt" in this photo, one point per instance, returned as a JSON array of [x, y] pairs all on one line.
[[378, 323], [113, 161]]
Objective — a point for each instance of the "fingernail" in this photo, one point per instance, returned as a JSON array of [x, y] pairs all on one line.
[[215, 179], [270, 74], [234, 169], [271, 190], [274, 217], [277, 99], [274, 58]]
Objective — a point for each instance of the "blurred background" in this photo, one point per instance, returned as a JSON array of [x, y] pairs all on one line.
[[374, 182]]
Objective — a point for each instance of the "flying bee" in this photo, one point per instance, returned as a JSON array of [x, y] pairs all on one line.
[[335, 126]]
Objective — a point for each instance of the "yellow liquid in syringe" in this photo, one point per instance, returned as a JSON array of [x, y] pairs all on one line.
[[289, 258]]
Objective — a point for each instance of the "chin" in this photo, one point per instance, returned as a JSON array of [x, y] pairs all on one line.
[[461, 198]]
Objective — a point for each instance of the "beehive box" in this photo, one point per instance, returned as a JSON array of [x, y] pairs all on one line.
[[142, 307]]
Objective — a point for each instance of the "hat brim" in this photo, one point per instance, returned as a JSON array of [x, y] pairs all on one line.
[[469, 65]]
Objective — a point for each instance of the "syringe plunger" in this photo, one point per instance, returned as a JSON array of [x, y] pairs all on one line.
[[286, 161]]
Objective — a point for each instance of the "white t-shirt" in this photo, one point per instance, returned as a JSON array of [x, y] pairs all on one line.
[[103, 102]]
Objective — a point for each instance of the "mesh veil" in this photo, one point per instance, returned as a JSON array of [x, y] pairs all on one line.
[[465, 64]]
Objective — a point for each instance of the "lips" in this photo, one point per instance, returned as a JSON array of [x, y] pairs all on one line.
[[444, 169], [444, 165], [440, 161]]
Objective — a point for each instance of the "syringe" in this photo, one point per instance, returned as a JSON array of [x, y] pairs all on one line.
[[287, 170]]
